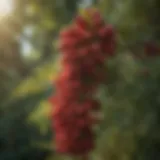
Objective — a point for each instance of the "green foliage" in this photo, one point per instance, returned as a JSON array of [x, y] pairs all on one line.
[[17, 136]]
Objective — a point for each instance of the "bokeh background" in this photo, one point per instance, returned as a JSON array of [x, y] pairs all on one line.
[[29, 63]]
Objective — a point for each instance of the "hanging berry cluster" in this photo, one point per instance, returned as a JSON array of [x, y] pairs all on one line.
[[151, 49], [84, 45]]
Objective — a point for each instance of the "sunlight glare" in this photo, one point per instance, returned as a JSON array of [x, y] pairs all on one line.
[[6, 7]]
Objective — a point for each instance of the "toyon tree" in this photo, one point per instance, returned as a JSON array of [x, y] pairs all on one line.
[[87, 47], [103, 72]]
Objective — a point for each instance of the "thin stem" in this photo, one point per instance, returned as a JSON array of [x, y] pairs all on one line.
[[85, 157]]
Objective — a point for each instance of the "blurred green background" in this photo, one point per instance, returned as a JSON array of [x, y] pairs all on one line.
[[29, 62]]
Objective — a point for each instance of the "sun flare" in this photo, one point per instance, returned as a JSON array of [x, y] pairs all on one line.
[[6, 7]]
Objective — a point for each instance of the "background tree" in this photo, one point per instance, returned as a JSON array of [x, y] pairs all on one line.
[[130, 129]]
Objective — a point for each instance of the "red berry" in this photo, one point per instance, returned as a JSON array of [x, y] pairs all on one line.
[[151, 49]]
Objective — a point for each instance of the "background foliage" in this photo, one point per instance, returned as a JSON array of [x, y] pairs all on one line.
[[29, 62]]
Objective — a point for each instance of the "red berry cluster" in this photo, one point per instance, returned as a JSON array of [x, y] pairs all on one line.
[[85, 46], [151, 49]]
